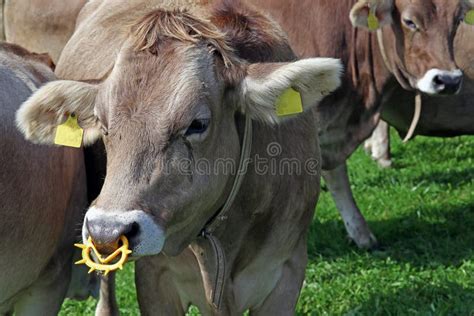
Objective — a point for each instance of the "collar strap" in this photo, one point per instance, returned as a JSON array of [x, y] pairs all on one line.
[[221, 215], [418, 100], [383, 52], [214, 281], [416, 118]]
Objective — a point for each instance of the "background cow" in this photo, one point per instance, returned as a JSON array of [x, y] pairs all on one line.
[[42, 26], [42, 198], [442, 117], [413, 48], [179, 89]]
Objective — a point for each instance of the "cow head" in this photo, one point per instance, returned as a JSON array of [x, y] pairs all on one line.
[[171, 99], [417, 40]]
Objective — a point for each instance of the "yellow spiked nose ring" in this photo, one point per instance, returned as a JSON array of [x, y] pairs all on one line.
[[108, 263]]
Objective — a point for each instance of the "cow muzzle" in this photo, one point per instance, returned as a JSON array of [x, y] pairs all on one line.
[[441, 82], [106, 227]]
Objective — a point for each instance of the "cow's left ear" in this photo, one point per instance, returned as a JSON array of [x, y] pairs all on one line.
[[266, 83], [47, 108], [371, 14]]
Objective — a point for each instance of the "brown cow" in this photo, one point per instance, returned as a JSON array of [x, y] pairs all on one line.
[[412, 48], [187, 86], [442, 117], [42, 26], [42, 198]]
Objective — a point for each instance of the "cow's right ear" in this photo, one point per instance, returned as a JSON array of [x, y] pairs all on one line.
[[371, 14], [40, 115]]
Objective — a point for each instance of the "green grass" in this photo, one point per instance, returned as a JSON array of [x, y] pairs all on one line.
[[422, 212]]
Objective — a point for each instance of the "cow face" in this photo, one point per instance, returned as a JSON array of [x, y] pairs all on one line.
[[418, 40], [167, 115]]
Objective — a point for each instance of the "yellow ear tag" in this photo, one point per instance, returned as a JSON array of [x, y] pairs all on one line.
[[69, 133], [289, 103], [104, 264], [373, 21], [469, 18]]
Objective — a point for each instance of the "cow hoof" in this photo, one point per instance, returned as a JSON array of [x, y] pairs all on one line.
[[384, 163], [106, 311], [368, 148], [368, 243]]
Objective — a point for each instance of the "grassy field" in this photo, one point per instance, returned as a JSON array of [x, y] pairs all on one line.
[[421, 210]]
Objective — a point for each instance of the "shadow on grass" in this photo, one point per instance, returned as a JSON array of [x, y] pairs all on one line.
[[445, 238], [452, 177], [450, 299]]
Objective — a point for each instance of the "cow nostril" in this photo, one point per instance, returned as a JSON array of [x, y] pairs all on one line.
[[438, 80], [448, 84], [133, 231]]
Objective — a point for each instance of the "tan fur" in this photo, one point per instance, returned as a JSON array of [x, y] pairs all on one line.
[[41, 26], [180, 25], [112, 20], [2, 27]]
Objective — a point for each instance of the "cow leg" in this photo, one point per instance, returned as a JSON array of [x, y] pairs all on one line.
[[337, 181], [44, 297], [156, 291], [283, 298], [378, 145], [107, 305]]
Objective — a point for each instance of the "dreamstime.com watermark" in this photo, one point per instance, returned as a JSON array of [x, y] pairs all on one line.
[[271, 164]]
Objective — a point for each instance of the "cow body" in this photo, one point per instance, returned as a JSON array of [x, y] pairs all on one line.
[[42, 26], [440, 117], [264, 239], [42, 194]]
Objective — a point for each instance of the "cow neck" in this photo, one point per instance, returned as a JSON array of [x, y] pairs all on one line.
[[208, 250], [418, 99]]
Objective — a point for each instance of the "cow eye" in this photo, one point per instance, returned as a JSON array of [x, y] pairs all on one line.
[[410, 24], [198, 126]]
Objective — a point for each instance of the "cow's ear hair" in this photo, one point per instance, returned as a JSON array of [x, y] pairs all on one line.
[[265, 83], [381, 9], [39, 116]]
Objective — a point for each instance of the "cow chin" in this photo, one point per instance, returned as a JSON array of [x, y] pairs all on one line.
[[440, 82], [145, 236]]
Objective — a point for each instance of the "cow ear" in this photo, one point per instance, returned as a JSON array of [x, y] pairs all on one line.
[[307, 80], [371, 14], [40, 115]]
